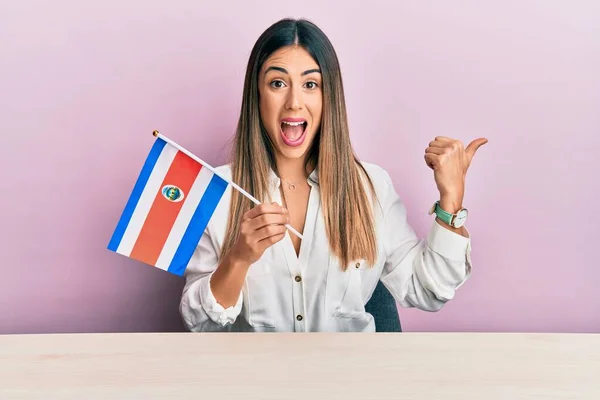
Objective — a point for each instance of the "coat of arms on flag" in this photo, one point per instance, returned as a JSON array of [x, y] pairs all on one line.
[[171, 203]]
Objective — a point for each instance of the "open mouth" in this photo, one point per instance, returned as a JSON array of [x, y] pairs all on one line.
[[293, 131]]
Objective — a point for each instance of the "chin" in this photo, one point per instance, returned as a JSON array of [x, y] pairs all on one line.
[[292, 154]]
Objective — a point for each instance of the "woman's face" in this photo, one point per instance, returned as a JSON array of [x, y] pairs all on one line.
[[291, 101]]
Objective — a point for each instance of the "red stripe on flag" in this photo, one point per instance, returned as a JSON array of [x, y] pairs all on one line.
[[163, 213]]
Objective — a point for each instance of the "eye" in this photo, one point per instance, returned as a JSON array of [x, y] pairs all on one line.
[[277, 84], [311, 85]]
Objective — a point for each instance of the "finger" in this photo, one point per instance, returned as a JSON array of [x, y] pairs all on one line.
[[474, 145], [439, 143], [432, 161], [443, 139], [266, 220], [435, 150], [266, 232], [270, 241], [264, 208]]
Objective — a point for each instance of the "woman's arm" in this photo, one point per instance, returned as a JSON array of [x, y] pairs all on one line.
[[199, 308], [227, 281], [421, 273], [212, 297]]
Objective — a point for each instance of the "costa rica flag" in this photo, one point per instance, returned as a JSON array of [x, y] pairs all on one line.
[[173, 200]]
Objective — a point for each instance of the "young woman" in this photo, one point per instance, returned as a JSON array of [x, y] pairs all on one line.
[[292, 151]]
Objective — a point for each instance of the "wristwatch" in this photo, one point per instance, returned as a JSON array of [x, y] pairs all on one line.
[[455, 220]]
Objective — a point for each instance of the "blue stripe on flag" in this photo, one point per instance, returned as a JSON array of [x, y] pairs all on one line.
[[134, 198], [197, 225]]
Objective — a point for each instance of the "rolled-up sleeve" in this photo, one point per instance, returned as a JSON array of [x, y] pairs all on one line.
[[421, 273], [199, 309]]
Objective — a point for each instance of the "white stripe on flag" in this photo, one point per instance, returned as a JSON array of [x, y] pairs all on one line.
[[147, 197], [190, 204]]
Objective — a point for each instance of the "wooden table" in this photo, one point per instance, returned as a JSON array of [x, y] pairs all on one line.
[[300, 366]]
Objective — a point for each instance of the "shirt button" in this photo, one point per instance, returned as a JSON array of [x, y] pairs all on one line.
[[298, 278], [299, 317]]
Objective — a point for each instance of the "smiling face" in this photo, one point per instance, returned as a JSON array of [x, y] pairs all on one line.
[[291, 101]]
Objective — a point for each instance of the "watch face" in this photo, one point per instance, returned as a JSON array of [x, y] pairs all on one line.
[[461, 218]]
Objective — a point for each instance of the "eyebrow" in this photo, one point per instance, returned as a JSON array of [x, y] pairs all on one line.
[[280, 69]]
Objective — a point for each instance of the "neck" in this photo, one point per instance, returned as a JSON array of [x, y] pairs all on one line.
[[292, 170]]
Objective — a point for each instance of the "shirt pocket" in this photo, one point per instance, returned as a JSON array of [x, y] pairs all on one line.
[[344, 291], [354, 321], [259, 295]]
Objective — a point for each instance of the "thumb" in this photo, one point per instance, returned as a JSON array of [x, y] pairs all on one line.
[[474, 145]]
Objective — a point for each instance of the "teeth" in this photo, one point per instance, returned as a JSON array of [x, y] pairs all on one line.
[[293, 123]]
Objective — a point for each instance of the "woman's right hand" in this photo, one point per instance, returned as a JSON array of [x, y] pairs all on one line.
[[262, 226]]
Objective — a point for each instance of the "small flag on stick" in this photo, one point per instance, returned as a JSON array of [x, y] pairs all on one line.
[[173, 200]]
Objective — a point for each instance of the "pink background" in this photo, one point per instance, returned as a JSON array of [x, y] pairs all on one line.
[[83, 84]]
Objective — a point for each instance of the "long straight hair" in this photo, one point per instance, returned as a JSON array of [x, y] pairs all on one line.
[[347, 212]]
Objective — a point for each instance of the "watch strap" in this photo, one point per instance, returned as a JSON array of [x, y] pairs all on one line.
[[442, 214]]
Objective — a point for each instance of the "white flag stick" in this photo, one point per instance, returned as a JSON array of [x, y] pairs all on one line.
[[248, 195]]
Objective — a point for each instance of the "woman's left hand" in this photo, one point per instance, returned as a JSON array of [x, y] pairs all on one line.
[[450, 160]]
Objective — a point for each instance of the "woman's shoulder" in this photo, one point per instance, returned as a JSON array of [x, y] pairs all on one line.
[[379, 175], [382, 183]]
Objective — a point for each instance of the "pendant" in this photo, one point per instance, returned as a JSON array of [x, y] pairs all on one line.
[[292, 186]]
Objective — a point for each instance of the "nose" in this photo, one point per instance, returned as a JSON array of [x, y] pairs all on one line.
[[294, 99]]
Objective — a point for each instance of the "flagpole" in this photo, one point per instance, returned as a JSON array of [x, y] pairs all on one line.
[[211, 169]]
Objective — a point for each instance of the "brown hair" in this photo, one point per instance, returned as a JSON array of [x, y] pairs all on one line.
[[349, 220]]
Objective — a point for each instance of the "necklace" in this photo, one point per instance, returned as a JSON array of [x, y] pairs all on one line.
[[291, 186]]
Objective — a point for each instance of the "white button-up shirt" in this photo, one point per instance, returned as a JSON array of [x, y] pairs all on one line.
[[310, 292]]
